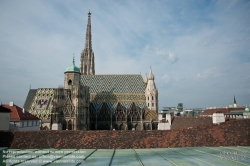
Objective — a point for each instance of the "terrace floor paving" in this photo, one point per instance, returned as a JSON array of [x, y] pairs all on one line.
[[231, 155]]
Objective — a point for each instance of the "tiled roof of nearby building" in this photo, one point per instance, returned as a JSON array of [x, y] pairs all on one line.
[[230, 133], [114, 83], [3, 109], [187, 122], [221, 110], [17, 113], [29, 99]]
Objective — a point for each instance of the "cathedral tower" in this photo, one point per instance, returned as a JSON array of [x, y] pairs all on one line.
[[71, 103], [151, 92], [87, 62], [71, 76]]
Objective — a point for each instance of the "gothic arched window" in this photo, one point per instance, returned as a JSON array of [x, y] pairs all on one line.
[[70, 82]]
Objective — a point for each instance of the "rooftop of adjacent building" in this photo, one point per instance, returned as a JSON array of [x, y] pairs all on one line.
[[222, 110], [17, 113]]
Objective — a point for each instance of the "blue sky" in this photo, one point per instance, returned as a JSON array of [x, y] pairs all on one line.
[[199, 50]]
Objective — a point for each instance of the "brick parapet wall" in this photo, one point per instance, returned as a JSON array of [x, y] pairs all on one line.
[[231, 133]]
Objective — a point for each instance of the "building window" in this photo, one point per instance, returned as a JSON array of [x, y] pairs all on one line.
[[70, 82], [152, 104], [32, 123], [152, 97], [148, 104], [14, 124], [148, 97], [22, 124], [27, 123], [36, 123]]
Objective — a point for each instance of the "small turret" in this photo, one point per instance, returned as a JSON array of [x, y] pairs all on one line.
[[151, 92], [71, 76]]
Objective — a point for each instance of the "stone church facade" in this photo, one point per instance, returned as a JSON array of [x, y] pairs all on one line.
[[96, 102]]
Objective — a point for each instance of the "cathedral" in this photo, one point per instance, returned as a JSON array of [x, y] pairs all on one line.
[[88, 101]]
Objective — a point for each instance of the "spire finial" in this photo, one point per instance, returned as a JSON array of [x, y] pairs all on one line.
[[89, 13], [74, 59], [234, 100], [150, 75]]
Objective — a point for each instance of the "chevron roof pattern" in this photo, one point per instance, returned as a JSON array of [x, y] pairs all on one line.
[[114, 83], [29, 99], [112, 105]]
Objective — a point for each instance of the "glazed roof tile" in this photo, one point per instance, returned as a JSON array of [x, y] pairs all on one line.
[[112, 105], [114, 83], [29, 99]]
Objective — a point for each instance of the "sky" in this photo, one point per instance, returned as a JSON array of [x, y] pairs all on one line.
[[199, 50]]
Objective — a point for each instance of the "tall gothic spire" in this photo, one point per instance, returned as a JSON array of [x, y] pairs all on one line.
[[87, 63], [234, 100], [88, 41], [150, 76]]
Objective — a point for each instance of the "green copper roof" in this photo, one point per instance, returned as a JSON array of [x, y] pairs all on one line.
[[73, 68], [247, 109], [114, 83]]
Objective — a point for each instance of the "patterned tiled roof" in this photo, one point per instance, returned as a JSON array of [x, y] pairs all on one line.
[[114, 83], [112, 105], [38, 102], [29, 99], [150, 115]]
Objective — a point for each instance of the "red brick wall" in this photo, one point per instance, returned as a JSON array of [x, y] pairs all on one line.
[[231, 133]]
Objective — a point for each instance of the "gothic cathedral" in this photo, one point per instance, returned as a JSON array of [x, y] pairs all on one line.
[[96, 102]]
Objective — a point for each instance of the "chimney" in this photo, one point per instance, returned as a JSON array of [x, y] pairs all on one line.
[[11, 104], [23, 111]]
